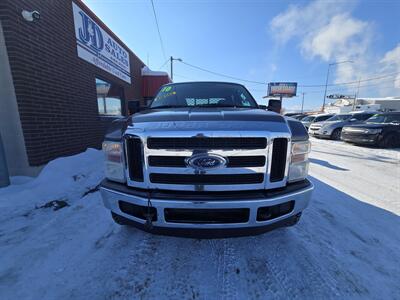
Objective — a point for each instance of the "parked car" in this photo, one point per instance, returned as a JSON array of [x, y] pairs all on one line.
[[332, 127], [382, 129], [307, 121], [299, 116], [196, 163], [291, 114]]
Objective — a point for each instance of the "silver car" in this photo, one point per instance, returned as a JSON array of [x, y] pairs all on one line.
[[332, 127], [307, 121]]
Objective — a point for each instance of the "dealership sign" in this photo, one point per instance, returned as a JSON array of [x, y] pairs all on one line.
[[282, 89], [98, 47]]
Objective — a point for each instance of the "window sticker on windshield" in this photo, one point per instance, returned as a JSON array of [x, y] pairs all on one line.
[[165, 94], [166, 89]]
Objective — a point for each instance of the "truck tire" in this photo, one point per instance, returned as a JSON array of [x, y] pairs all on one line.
[[119, 219], [336, 134], [293, 220], [390, 141]]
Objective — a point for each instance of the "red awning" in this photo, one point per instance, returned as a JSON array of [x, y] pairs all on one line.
[[152, 80]]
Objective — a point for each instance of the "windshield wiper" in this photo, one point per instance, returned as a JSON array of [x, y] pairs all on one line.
[[216, 105], [168, 106]]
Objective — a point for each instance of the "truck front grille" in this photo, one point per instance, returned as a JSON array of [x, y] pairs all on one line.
[[212, 179], [233, 161], [206, 143], [252, 163]]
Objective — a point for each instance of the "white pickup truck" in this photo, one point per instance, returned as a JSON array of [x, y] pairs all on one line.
[[204, 160]]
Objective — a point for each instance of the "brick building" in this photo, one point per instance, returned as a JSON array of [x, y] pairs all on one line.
[[64, 76]]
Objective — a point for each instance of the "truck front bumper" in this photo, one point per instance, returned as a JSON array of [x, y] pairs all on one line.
[[254, 211]]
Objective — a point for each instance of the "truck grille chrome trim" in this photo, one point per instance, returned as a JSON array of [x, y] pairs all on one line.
[[247, 168], [233, 161], [207, 143]]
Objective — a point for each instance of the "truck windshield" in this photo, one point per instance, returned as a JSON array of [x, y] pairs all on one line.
[[203, 94]]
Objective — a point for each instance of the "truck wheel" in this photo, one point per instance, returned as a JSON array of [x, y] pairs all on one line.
[[390, 141], [293, 220], [336, 134], [119, 219]]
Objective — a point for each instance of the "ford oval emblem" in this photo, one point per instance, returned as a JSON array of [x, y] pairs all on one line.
[[206, 161]]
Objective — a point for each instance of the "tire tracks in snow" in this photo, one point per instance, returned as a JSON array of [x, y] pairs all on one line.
[[137, 271], [228, 281], [284, 262]]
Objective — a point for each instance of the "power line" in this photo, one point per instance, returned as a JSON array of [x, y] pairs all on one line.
[[351, 82], [162, 66], [222, 75], [158, 29], [303, 86], [361, 86]]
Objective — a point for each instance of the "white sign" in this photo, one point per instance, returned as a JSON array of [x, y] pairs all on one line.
[[284, 89], [97, 47]]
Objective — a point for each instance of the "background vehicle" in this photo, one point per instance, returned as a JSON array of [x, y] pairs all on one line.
[[332, 127], [381, 129], [197, 162], [297, 116], [291, 114], [307, 121]]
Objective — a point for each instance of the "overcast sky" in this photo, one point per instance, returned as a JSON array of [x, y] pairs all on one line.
[[268, 41]]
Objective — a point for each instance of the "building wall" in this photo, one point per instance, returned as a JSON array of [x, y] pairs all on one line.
[[10, 125], [55, 90]]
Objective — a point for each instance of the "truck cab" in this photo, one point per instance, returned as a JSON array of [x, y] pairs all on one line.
[[204, 159]]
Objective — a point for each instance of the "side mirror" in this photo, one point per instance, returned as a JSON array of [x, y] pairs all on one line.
[[134, 107], [274, 105]]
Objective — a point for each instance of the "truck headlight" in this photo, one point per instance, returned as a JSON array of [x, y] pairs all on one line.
[[114, 161], [298, 167]]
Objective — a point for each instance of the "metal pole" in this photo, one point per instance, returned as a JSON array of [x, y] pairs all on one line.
[[326, 87], [4, 176], [356, 95], [302, 103], [172, 74], [327, 78]]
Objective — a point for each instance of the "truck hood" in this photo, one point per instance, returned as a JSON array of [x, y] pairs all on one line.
[[205, 114], [207, 121]]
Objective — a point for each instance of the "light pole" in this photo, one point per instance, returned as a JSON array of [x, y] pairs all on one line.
[[327, 78], [302, 102], [356, 95], [172, 66]]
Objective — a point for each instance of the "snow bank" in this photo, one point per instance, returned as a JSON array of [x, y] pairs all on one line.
[[65, 178]]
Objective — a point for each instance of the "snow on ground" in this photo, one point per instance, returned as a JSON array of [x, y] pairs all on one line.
[[346, 245]]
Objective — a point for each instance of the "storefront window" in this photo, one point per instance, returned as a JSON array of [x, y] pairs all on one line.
[[109, 98]]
